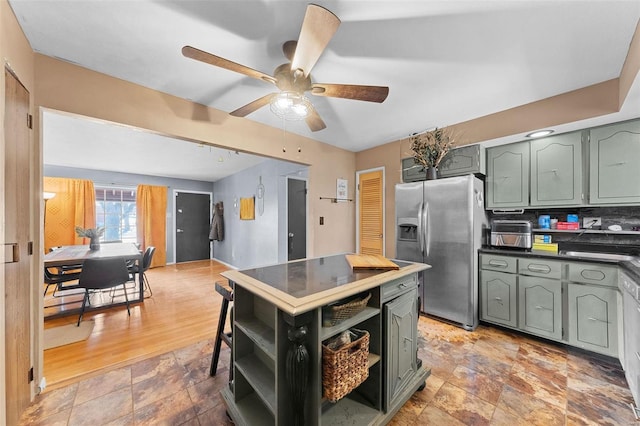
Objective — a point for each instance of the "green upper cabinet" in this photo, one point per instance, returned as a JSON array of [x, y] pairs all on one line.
[[556, 170], [613, 164], [463, 160], [508, 176]]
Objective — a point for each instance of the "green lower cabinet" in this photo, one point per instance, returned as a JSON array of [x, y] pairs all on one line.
[[540, 306], [498, 294], [402, 330], [593, 318]]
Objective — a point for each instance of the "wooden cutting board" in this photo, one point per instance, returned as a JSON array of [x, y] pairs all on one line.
[[370, 261]]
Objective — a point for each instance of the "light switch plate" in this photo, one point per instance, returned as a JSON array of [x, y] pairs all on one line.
[[591, 222]]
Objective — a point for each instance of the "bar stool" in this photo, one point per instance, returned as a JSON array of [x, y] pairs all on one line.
[[227, 296]]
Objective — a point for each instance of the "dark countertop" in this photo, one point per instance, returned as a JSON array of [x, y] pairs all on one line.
[[632, 268], [299, 286]]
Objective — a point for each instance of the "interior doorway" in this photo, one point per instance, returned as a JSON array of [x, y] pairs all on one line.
[[296, 218], [193, 221]]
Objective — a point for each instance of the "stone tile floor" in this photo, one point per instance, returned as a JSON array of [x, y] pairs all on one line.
[[487, 377]]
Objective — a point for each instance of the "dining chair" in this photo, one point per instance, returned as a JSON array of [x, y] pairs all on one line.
[[147, 257], [59, 279], [99, 274]]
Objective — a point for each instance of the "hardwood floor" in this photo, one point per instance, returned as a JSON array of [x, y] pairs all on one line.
[[183, 310]]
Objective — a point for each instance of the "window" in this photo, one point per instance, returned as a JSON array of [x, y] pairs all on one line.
[[116, 211]]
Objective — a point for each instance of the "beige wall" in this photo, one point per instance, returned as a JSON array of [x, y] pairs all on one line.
[[18, 56], [66, 87], [592, 101]]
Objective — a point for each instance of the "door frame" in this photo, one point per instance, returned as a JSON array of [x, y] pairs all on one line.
[[173, 221], [384, 204], [285, 231]]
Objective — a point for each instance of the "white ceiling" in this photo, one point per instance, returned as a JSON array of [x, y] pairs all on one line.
[[444, 61], [74, 141]]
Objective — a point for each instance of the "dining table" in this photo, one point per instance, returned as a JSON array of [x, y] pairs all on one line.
[[76, 254]]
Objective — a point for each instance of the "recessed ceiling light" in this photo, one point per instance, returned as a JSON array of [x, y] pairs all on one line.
[[539, 133]]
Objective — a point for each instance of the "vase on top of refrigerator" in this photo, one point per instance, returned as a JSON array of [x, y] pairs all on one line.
[[442, 223]]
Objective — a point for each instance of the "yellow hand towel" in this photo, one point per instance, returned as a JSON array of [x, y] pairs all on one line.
[[247, 209]]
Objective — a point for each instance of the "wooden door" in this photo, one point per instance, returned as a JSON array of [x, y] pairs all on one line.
[[370, 220], [193, 221], [17, 274]]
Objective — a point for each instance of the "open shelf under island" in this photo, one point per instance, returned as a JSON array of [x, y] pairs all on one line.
[[279, 330]]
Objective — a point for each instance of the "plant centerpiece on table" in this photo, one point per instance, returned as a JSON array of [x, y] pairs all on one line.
[[429, 148], [93, 234]]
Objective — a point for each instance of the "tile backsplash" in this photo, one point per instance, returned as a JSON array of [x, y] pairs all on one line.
[[627, 217]]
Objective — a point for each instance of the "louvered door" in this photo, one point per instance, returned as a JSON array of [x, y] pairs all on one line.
[[371, 222]]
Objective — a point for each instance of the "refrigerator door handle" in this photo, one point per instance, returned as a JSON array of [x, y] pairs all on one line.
[[420, 235], [425, 218]]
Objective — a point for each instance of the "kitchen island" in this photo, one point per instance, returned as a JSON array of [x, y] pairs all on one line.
[[281, 321]]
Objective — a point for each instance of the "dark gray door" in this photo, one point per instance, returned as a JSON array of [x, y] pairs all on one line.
[[192, 226], [296, 219]]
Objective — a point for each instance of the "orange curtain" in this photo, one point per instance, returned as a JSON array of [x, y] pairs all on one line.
[[73, 205], [151, 221]]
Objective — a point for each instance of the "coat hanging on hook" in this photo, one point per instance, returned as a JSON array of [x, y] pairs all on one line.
[[217, 223]]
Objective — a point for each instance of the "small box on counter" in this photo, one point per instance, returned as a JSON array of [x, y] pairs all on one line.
[[568, 226], [572, 218], [542, 238], [550, 247]]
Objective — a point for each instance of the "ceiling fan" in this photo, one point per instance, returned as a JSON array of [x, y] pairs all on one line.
[[294, 78]]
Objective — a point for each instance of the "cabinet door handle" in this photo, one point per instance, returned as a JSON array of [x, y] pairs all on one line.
[[598, 320], [402, 285], [498, 263], [592, 274], [498, 299], [543, 308], [543, 269], [638, 355]]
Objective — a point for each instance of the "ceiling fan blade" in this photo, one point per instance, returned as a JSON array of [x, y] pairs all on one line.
[[252, 106], [200, 55], [351, 91], [318, 26], [314, 121]]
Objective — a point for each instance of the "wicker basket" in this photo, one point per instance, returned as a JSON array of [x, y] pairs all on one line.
[[345, 368], [335, 314]]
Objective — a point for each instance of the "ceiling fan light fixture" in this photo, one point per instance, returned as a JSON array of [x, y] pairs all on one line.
[[290, 106]]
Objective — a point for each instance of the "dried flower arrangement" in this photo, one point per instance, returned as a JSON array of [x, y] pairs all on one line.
[[92, 233], [429, 148]]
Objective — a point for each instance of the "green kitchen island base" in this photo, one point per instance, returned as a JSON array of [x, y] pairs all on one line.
[[281, 319]]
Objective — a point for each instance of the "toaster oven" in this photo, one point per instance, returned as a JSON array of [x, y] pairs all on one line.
[[511, 233]]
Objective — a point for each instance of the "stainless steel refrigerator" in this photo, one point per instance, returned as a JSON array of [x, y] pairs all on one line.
[[442, 222]]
